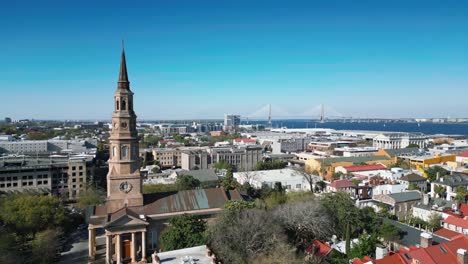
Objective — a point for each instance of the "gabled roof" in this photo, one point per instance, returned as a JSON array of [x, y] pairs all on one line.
[[371, 167], [405, 196], [124, 217], [445, 252], [449, 234], [391, 259], [342, 184], [188, 200], [457, 179], [413, 177], [456, 221]]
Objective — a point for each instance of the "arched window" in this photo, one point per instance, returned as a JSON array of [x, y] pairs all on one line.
[[124, 151], [114, 151], [117, 104], [124, 105]]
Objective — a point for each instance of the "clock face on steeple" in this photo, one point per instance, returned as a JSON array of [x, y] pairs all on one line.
[[125, 187]]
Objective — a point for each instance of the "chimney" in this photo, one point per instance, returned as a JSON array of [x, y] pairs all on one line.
[[426, 240], [380, 252], [462, 256], [425, 199]]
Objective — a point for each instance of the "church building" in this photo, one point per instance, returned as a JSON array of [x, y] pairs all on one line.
[[132, 221]]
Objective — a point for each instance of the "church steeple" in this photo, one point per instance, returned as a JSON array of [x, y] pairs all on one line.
[[124, 182], [123, 76]]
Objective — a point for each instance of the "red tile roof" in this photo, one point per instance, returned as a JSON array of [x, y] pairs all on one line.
[[245, 140], [456, 221], [318, 248], [464, 209], [463, 154], [449, 234], [356, 168], [391, 259], [442, 253], [337, 184]]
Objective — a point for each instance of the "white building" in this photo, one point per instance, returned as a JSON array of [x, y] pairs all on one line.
[[388, 189], [356, 151], [398, 140], [290, 179]]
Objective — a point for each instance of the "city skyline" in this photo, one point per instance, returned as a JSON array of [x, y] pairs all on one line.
[[363, 60]]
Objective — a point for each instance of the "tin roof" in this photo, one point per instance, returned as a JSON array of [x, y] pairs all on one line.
[[189, 200]]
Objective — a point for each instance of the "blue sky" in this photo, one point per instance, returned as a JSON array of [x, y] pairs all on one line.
[[200, 59]]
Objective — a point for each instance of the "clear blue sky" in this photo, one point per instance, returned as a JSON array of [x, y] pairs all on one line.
[[200, 59]]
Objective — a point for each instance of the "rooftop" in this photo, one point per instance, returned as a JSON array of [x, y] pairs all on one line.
[[412, 236], [446, 233], [342, 184], [457, 179], [198, 255], [405, 196], [356, 168], [413, 177], [329, 161], [456, 221]]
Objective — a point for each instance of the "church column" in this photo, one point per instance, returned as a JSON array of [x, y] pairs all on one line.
[[143, 245], [108, 249], [118, 249], [91, 243], [132, 248]]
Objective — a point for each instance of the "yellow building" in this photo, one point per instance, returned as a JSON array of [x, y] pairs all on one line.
[[423, 162], [326, 167]]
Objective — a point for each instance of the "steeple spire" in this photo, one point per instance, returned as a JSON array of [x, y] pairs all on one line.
[[123, 76]]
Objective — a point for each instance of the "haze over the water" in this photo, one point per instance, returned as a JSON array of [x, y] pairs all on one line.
[[201, 59]]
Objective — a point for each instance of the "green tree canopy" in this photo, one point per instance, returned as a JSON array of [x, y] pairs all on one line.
[[413, 186], [229, 182], [183, 231], [270, 165], [435, 171], [29, 214], [364, 247], [389, 232], [91, 196], [187, 182]]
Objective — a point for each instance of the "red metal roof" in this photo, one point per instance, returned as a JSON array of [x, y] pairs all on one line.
[[391, 259], [456, 221], [442, 253], [356, 168], [464, 209], [449, 234], [318, 248], [337, 184]]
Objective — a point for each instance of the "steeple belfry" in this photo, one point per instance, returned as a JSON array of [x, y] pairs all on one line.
[[123, 180]]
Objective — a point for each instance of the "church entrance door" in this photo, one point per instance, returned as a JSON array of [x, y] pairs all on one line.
[[126, 249]]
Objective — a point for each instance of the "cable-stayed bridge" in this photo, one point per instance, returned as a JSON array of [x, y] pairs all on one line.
[[319, 112]]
